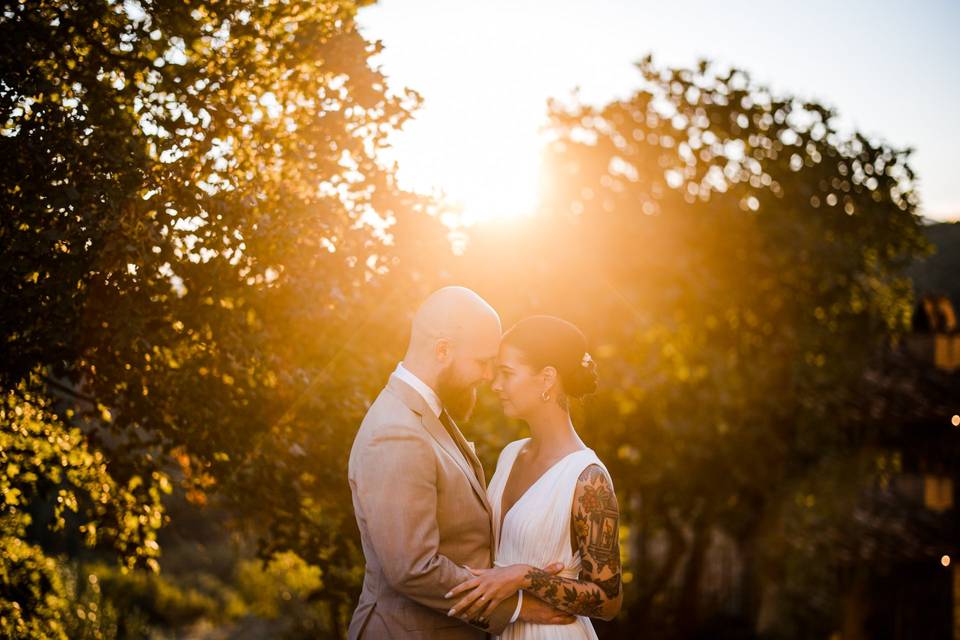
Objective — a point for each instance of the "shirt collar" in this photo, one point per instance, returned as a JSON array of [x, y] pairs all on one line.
[[421, 387]]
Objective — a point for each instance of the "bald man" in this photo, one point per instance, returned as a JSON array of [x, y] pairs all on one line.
[[419, 492]]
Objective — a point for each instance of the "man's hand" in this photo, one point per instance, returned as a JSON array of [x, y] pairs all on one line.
[[537, 611]]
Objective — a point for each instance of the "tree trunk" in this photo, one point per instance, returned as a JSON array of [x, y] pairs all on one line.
[[855, 605], [688, 613], [655, 583]]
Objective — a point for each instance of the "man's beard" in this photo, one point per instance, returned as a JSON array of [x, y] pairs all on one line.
[[458, 398]]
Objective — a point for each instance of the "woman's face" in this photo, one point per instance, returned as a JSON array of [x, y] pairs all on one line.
[[516, 383]]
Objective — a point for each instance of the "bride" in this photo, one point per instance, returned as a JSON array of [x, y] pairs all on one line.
[[553, 500]]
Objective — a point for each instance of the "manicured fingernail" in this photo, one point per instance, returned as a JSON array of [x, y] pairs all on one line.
[[448, 594], [451, 612]]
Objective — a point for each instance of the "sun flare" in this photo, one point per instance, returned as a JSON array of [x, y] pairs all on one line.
[[489, 171]]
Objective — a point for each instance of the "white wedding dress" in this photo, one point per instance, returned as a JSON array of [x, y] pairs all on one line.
[[536, 531]]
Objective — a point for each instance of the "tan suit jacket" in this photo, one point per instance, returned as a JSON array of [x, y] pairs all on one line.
[[423, 514]]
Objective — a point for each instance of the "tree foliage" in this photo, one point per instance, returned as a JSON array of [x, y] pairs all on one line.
[[51, 478], [193, 237], [738, 261], [206, 265]]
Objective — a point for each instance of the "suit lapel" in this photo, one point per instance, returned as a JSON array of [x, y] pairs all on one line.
[[470, 452], [470, 467]]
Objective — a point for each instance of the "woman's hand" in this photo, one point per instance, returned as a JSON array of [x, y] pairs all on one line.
[[489, 588]]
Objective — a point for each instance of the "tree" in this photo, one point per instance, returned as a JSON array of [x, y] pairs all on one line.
[[45, 462], [737, 261], [194, 230]]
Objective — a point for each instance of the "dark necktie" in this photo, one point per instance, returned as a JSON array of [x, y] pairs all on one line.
[[451, 428]]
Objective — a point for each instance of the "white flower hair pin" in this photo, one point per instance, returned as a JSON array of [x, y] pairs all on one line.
[[587, 359]]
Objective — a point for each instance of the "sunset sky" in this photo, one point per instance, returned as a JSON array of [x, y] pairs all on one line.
[[486, 69]]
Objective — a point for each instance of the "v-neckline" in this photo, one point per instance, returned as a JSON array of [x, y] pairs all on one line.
[[503, 514]]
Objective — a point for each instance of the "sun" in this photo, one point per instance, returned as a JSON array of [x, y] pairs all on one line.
[[485, 170]]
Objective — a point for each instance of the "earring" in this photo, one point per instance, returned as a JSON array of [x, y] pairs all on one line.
[[545, 396]]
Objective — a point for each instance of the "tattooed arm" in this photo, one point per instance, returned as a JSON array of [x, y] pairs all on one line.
[[595, 532]]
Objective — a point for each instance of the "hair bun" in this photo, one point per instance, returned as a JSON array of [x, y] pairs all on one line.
[[583, 379]]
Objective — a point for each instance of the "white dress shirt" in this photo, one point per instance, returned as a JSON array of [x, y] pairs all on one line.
[[421, 387]]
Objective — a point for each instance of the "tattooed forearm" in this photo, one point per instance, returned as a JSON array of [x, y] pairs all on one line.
[[610, 586], [573, 596], [595, 533]]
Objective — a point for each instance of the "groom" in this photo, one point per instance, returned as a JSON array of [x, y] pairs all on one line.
[[418, 487]]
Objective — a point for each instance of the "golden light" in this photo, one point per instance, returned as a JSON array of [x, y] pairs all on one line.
[[955, 420], [945, 561], [485, 80], [484, 169], [488, 69]]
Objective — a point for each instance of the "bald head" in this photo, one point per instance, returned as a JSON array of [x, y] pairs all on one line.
[[454, 313], [453, 341]]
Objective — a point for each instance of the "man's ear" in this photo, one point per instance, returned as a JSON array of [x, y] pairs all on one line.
[[442, 350]]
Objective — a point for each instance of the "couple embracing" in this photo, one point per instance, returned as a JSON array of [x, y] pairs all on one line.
[[533, 555]]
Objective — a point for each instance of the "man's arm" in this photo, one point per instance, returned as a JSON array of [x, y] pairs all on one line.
[[396, 488]]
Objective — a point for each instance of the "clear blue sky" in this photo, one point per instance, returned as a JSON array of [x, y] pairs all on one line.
[[486, 69]]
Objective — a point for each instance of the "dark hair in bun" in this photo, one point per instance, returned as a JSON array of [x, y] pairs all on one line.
[[547, 341]]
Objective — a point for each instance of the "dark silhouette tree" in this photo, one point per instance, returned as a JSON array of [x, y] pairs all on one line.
[[197, 239]]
